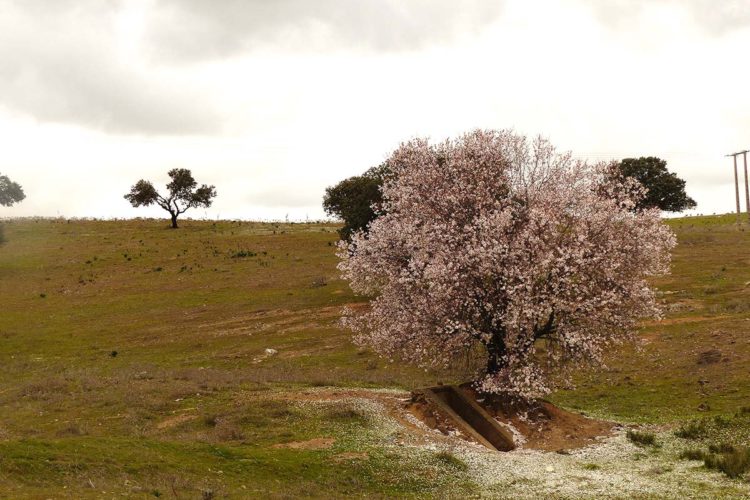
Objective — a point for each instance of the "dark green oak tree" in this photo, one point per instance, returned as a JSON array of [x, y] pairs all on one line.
[[184, 193], [666, 191], [356, 200], [10, 192]]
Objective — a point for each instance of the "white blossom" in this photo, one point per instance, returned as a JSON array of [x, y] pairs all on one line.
[[501, 241]]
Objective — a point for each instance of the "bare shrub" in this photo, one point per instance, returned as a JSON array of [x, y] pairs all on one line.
[[642, 438], [225, 430], [695, 429], [735, 463]]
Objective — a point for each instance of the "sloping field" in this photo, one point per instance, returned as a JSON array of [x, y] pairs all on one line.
[[138, 361], [696, 361]]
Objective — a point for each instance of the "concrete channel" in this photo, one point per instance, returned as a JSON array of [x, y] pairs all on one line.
[[469, 417]]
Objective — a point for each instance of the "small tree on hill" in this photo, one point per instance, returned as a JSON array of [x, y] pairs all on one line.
[[10, 192], [356, 200], [665, 190], [182, 194], [491, 240]]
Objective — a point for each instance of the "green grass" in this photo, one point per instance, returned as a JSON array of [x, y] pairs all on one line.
[[691, 364], [158, 465], [189, 317], [191, 402]]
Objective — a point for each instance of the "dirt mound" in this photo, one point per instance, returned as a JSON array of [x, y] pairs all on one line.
[[536, 425]]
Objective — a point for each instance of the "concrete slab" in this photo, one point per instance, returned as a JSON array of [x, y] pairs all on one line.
[[469, 416]]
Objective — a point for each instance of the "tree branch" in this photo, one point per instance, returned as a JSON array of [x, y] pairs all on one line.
[[547, 329]]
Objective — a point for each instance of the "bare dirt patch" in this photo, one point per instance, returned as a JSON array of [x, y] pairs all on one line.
[[538, 425], [682, 320]]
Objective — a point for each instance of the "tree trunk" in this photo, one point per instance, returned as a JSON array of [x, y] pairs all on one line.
[[495, 353], [174, 221]]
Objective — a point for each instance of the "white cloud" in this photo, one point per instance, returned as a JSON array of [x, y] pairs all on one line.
[[715, 17], [272, 104], [188, 30], [73, 66]]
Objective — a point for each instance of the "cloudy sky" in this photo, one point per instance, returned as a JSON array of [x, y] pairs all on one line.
[[274, 100]]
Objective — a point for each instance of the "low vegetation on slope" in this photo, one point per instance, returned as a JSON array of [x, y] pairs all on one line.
[[694, 362], [142, 361], [139, 359]]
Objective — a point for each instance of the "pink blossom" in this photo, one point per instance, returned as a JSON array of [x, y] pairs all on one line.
[[495, 240]]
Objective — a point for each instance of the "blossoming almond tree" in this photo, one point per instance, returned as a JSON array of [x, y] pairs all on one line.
[[496, 240]]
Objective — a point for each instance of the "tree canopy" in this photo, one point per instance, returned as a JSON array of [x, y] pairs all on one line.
[[183, 194], [356, 200], [10, 192], [665, 190], [494, 241]]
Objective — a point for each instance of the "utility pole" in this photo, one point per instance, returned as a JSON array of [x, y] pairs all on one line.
[[737, 182]]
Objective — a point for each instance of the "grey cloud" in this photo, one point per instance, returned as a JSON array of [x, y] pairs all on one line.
[[203, 29], [62, 65], [717, 17]]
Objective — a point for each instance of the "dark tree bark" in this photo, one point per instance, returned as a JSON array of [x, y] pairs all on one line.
[[496, 351], [174, 220]]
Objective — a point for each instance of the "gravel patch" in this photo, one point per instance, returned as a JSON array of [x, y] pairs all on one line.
[[614, 467]]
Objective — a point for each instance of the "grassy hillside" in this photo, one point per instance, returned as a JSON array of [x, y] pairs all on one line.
[[133, 359], [696, 361], [141, 361]]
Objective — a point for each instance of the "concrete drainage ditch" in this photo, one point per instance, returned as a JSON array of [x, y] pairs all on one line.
[[468, 416]]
